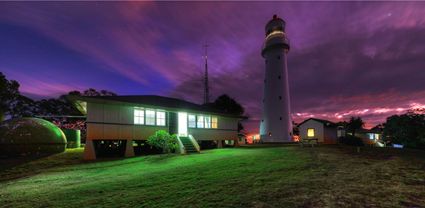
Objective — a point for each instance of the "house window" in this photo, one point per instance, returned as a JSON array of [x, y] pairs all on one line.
[[160, 118], [139, 116], [150, 117], [192, 121], [200, 123], [207, 122], [310, 132], [214, 122]]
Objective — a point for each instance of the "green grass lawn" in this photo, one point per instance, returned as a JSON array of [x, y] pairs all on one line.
[[236, 177]]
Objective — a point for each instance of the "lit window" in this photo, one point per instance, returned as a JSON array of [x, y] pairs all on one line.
[[192, 121], [200, 123], [160, 118], [373, 136], [139, 116], [150, 117], [214, 122], [207, 122], [310, 132]]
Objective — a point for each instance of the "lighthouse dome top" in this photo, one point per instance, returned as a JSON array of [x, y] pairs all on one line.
[[275, 24]]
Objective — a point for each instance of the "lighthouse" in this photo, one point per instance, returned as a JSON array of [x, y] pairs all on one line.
[[276, 122]]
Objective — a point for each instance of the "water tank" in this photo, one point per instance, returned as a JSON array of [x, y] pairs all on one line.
[[73, 138], [30, 136]]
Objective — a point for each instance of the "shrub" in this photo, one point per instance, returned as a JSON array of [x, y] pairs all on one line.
[[163, 140], [351, 140], [407, 129]]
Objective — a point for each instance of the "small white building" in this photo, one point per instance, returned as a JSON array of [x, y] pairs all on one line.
[[324, 131]]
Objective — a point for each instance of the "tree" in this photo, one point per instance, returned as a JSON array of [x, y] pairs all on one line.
[[407, 129], [227, 104], [9, 92], [93, 92], [22, 107], [355, 123], [163, 140]]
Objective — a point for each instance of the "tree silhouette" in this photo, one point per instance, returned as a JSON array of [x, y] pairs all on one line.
[[9, 95], [355, 123], [227, 104]]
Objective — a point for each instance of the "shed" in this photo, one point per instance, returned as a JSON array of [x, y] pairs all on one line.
[[323, 130]]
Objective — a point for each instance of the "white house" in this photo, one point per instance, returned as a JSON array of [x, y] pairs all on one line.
[[131, 118], [322, 130]]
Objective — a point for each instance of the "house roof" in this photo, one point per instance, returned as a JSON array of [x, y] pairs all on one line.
[[325, 122], [152, 101], [377, 131]]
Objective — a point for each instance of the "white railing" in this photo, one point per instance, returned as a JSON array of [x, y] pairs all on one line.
[[181, 148], [195, 143]]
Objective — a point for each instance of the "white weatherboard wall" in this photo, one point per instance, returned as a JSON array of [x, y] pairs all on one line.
[[276, 123], [227, 129], [113, 122], [312, 124]]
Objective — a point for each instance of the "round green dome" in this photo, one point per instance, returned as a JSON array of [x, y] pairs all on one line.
[[25, 136]]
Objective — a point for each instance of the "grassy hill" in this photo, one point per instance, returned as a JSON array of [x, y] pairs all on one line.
[[239, 177]]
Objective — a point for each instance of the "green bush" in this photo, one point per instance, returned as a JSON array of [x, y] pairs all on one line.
[[163, 140], [351, 140]]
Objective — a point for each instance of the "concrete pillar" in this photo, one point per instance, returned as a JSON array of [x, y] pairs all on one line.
[[89, 153], [129, 149], [219, 143]]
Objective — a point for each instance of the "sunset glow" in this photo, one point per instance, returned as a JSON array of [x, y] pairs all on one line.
[[347, 58]]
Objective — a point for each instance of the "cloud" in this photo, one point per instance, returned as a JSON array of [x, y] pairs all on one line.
[[346, 58], [372, 75], [42, 89]]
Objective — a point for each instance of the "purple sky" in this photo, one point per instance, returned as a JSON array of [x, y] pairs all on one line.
[[347, 58]]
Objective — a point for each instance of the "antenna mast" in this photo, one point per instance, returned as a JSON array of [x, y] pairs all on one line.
[[206, 88]]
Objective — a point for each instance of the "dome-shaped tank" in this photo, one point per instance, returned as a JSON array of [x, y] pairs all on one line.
[[27, 136]]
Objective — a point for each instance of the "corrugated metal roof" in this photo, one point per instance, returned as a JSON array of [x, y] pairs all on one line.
[[326, 122], [152, 100]]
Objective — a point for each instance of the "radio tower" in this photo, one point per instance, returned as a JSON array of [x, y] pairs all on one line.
[[206, 88]]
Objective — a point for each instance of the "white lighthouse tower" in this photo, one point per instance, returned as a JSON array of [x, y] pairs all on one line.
[[276, 122]]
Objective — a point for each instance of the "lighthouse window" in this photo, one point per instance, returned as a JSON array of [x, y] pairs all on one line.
[[280, 118], [278, 57], [280, 97], [278, 77]]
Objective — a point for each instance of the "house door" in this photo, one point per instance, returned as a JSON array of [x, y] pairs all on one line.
[[182, 126], [173, 122]]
